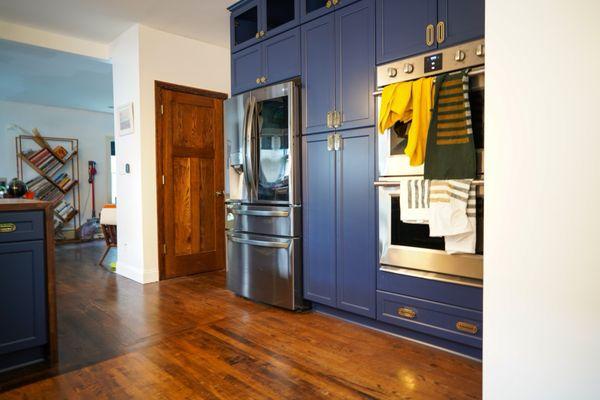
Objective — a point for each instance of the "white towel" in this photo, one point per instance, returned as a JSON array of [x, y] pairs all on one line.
[[414, 200], [448, 207], [465, 242]]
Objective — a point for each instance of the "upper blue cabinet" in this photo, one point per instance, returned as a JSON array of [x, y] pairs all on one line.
[[311, 9], [256, 20], [409, 27]]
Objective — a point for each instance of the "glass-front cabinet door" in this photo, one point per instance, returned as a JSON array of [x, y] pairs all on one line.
[[280, 15], [245, 25], [273, 148]]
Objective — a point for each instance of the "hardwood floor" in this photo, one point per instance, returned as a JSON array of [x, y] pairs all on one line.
[[189, 338]]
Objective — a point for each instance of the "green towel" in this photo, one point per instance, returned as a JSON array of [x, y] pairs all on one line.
[[450, 146]]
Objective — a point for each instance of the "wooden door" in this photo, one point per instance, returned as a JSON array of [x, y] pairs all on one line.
[[356, 243], [318, 73], [464, 20], [355, 64], [401, 28], [319, 220], [190, 141]]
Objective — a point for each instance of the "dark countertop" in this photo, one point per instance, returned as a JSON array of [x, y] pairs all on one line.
[[23, 205]]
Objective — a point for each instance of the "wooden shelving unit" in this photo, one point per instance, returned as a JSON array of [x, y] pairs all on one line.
[[27, 147]]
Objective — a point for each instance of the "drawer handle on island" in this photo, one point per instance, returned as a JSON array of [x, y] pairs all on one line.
[[407, 313], [467, 327], [8, 227]]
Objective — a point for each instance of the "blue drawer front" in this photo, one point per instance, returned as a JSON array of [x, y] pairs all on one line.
[[436, 319], [20, 226], [443, 292]]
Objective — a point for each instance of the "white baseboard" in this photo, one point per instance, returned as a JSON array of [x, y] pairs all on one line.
[[136, 274]]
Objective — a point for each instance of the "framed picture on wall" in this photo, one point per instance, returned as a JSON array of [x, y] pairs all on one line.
[[125, 115]]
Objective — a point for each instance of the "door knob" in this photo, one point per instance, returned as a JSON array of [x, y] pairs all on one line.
[[219, 193]]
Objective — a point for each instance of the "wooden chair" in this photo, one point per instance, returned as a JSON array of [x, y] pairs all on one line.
[[108, 223]]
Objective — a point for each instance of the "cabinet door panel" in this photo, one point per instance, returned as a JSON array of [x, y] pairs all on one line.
[[319, 220], [401, 28], [279, 16], [464, 20], [22, 296], [245, 22], [356, 243], [355, 44], [246, 67], [311, 9], [318, 73], [282, 56]]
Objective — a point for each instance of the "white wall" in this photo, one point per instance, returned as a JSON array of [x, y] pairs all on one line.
[[91, 128], [542, 253], [169, 58]]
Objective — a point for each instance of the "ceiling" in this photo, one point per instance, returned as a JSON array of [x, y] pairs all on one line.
[[30, 74], [105, 20]]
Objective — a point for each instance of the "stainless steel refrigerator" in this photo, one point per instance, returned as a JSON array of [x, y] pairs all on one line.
[[262, 184]]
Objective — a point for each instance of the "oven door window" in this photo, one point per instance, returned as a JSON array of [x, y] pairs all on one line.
[[413, 235]]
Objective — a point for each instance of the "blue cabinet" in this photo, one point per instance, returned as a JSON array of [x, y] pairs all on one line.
[[318, 73], [464, 20], [338, 74], [340, 259], [311, 9], [356, 242], [271, 61], [319, 216], [402, 28], [256, 20], [409, 27]]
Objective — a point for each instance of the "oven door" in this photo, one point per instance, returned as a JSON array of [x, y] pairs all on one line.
[[409, 246]]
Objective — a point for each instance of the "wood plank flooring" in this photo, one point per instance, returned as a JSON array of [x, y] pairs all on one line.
[[189, 338]]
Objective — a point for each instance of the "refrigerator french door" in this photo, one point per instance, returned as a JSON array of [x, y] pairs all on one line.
[[263, 210]]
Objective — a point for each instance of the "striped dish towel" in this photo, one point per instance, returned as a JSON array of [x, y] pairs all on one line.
[[414, 200], [465, 242], [448, 207]]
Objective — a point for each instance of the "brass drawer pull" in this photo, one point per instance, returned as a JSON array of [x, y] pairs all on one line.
[[467, 327], [407, 313], [8, 227], [429, 35], [441, 32]]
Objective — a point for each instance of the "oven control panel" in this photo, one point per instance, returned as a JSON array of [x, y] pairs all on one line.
[[433, 63]]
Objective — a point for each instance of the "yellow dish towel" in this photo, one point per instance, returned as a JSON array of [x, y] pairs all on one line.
[[406, 101]]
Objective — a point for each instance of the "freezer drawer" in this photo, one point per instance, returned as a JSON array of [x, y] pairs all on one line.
[[265, 269], [264, 220]]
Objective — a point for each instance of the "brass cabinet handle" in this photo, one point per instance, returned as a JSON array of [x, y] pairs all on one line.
[[429, 35], [441, 32], [337, 119], [407, 312], [467, 327], [7, 227], [263, 79], [330, 119], [257, 80], [330, 142], [257, 35], [262, 33], [335, 2], [337, 142], [328, 4]]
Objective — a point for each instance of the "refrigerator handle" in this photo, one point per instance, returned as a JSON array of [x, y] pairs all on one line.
[[248, 148]]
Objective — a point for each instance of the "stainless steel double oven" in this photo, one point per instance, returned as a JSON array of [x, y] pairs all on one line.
[[263, 198], [404, 248]]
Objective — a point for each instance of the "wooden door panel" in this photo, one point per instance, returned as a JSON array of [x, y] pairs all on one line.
[[193, 206]]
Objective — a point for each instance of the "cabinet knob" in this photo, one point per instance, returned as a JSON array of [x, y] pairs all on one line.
[[257, 35], [257, 80], [328, 4], [408, 68], [459, 56], [263, 79], [392, 72], [262, 33], [335, 2], [480, 50]]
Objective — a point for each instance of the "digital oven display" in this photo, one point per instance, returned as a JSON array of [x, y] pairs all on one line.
[[433, 63]]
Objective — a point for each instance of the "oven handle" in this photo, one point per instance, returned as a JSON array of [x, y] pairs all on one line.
[[386, 184], [260, 243]]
